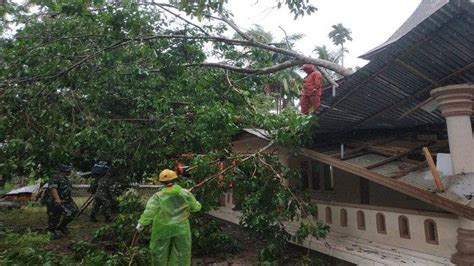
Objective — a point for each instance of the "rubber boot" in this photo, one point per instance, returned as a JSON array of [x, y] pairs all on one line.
[[64, 230], [54, 235]]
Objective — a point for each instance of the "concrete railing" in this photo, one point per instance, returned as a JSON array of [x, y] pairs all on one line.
[[427, 232]]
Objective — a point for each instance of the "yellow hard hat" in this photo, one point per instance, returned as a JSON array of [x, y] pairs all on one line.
[[167, 175]]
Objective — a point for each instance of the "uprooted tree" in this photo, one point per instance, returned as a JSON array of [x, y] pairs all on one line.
[[129, 82]]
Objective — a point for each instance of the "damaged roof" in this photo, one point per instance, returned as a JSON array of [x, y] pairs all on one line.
[[433, 48], [387, 162]]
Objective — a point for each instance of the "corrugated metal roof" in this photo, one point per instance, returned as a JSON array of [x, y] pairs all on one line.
[[434, 52], [424, 10], [27, 189]]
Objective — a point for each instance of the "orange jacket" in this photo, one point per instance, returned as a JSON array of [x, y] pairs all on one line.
[[312, 83]]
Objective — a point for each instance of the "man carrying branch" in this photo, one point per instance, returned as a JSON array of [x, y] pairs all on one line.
[[168, 211]]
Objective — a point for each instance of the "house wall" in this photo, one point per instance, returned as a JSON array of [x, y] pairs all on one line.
[[348, 189], [383, 196], [252, 144], [447, 225]]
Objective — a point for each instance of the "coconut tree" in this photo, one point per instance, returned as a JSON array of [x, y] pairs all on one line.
[[339, 35]]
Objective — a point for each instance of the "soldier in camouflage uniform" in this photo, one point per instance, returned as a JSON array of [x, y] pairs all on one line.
[[101, 188], [60, 206]]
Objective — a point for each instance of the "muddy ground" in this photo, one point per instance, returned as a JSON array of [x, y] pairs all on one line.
[[34, 217]]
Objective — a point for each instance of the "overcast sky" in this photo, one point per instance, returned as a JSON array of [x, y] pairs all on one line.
[[371, 21]]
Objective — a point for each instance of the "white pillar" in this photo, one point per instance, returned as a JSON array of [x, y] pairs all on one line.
[[455, 102]]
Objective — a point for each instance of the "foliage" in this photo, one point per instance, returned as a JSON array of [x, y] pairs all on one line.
[[27, 248], [270, 203], [339, 35], [291, 129], [209, 239], [120, 232], [199, 7], [94, 85]]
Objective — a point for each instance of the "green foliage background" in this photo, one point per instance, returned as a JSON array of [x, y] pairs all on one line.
[[86, 80]]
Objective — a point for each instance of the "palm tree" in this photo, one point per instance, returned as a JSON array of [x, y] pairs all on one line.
[[324, 53], [339, 35]]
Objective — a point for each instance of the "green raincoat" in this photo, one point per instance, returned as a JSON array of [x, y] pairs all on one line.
[[169, 210]]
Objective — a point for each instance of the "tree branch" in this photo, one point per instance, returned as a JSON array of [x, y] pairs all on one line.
[[257, 71], [162, 6], [328, 77], [318, 62]]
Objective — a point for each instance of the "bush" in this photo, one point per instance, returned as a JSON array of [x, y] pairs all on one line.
[[209, 239], [27, 249]]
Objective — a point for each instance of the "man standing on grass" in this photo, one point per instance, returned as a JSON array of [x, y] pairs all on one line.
[[60, 206], [101, 188], [169, 210]]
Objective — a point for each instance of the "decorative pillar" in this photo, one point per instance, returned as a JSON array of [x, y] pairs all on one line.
[[456, 104]]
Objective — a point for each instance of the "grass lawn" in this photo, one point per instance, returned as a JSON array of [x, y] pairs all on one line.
[[34, 217]]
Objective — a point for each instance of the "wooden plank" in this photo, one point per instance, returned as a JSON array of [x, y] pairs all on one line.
[[434, 170], [347, 153], [415, 162], [396, 157], [418, 193], [409, 170], [362, 153], [415, 71]]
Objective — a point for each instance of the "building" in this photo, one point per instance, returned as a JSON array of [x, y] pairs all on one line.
[[367, 172]]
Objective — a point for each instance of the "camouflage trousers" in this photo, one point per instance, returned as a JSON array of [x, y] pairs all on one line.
[[101, 204], [60, 216]]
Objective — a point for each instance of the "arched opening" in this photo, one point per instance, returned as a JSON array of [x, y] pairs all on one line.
[[328, 215], [360, 220], [343, 214], [431, 232], [381, 227], [403, 227]]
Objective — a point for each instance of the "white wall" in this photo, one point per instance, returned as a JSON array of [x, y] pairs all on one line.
[[446, 224]]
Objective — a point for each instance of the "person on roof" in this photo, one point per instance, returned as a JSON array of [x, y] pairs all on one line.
[[312, 87], [169, 210]]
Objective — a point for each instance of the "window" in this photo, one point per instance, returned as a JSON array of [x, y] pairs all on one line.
[[404, 227], [381, 227], [328, 215], [343, 217], [431, 232], [360, 220], [304, 174], [317, 176], [328, 177]]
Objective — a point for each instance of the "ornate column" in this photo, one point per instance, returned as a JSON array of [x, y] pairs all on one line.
[[456, 104]]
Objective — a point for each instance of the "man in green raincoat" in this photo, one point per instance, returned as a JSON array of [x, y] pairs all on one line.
[[169, 210]]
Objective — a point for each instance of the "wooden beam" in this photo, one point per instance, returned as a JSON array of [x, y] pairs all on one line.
[[433, 169], [421, 194], [415, 71], [418, 106], [347, 153], [395, 157], [411, 169], [355, 155]]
